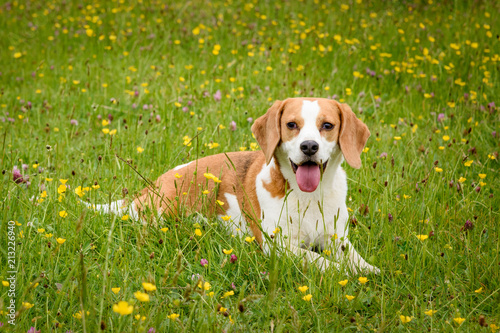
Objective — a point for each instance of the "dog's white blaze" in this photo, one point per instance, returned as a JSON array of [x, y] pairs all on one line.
[[182, 166], [237, 221], [309, 131]]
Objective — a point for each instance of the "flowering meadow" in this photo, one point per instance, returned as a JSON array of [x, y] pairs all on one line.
[[97, 97]]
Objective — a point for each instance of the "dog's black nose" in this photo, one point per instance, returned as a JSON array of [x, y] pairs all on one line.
[[309, 147]]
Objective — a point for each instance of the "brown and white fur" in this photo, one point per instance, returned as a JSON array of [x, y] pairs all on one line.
[[296, 183]]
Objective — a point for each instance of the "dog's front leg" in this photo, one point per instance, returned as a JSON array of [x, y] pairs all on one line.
[[355, 262]]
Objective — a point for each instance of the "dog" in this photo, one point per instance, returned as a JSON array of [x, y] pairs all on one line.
[[294, 187]]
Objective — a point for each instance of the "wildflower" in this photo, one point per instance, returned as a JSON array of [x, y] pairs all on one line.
[[227, 251], [140, 149], [148, 286], [173, 316], [28, 305], [482, 175], [249, 239], [41, 230], [303, 288], [430, 313], [123, 308], [5, 283], [63, 213], [125, 217], [480, 290], [462, 179], [233, 258], [203, 262], [363, 280], [226, 218], [164, 229], [177, 175], [197, 232], [343, 282], [459, 320], [468, 163], [405, 319], [60, 240], [232, 125], [228, 293], [307, 297], [143, 297], [116, 290], [349, 297], [218, 96], [437, 169]]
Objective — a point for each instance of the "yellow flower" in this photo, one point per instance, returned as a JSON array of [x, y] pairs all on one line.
[[468, 163], [446, 138], [41, 230], [197, 232], [228, 293], [116, 290], [363, 280], [422, 237], [143, 297], [63, 181], [459, 320], [438, 169], [462, 179], [480, 290], [79, 191], [63, 213], [177, 175], [61, 189], [60, 240], [227, 251], [307, 297], [249, 239], [5, 283], [205, 286], [220, 203], [430, 313], [164, 229], [277, 230], [303, 288], [123, 308], [148, 286], [48, 235], [343, 282], [27, 305], [482, 175], [349, 297], [18, 55], [140, 149], [222, 309], [226, 218], [405, 319]]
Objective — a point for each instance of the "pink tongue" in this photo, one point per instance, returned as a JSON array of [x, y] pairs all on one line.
[[308, 177]]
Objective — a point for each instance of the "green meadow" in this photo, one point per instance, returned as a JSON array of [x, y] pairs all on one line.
[[99, 97]]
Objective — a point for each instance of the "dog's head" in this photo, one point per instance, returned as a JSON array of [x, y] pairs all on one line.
[[310, 132]]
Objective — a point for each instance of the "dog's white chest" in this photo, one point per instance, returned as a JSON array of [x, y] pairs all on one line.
[[306, 218]]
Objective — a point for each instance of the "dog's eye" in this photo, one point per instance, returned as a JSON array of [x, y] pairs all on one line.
[[291, 125], [327, 126]]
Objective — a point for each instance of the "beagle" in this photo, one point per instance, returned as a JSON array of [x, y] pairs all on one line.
[[293, 191]]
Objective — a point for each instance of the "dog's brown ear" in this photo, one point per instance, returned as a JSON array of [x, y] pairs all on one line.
[[267, 129], [353, 136]]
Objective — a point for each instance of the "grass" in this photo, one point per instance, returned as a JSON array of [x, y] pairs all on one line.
[[423, 76]]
